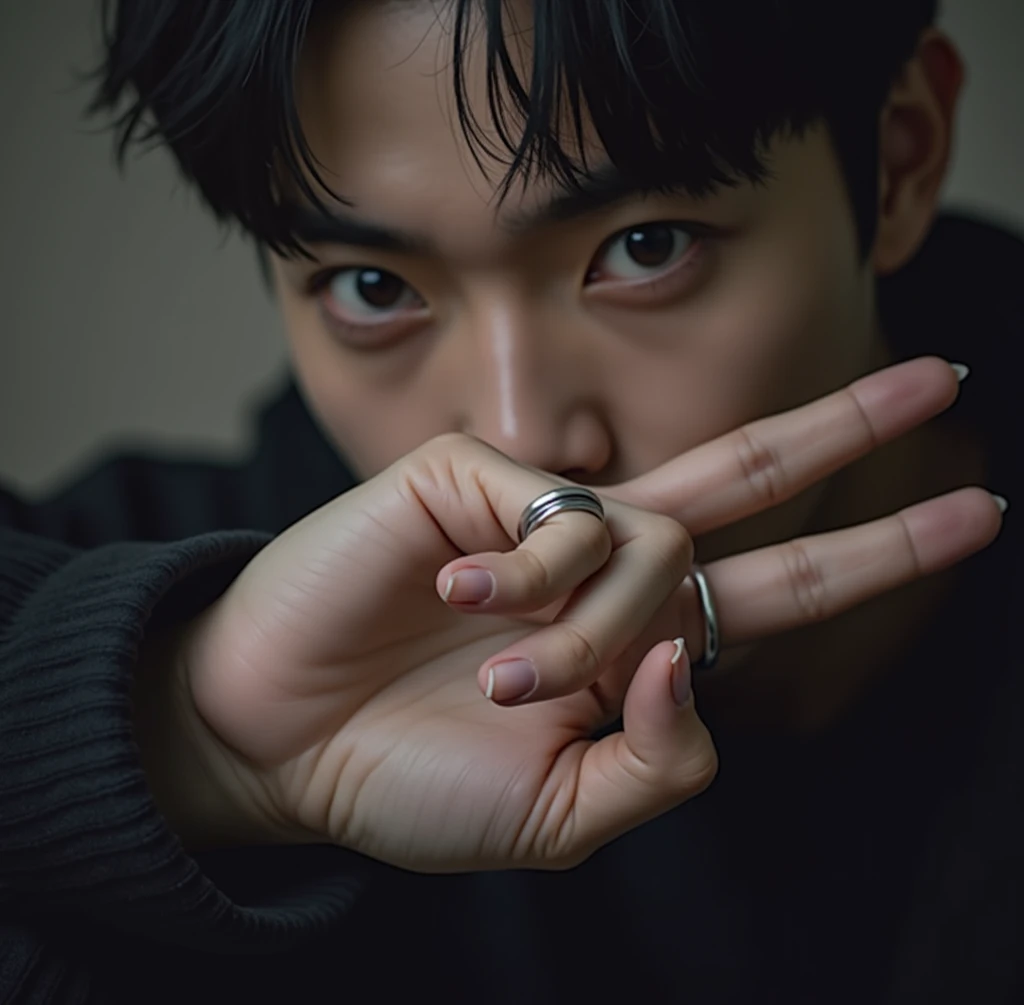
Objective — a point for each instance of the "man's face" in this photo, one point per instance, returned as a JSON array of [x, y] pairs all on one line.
[[596, 346]]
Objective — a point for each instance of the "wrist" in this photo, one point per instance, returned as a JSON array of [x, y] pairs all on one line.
[[206, 793]]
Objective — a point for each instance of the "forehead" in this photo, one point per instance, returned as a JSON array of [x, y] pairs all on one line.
[[378, 109]]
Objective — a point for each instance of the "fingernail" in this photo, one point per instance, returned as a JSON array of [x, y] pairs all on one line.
[[681, 689], [962, 371], [1002, 502], [470, 586], [512, 681]]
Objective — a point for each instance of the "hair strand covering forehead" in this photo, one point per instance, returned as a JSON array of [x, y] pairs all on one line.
[[681, 94]]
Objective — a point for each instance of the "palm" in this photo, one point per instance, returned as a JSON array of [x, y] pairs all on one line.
[[352, 685], [445, 770]]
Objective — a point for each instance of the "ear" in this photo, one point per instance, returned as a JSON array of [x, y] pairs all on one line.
[[916, 138]]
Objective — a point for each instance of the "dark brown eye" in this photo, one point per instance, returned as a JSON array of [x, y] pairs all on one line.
[[368, 295], [379, 289], [651, 246], [643, 252]]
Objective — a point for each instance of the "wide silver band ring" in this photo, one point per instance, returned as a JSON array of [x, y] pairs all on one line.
[[563, 500], [711, 636]]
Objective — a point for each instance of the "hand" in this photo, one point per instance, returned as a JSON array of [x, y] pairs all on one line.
[[770, 461], [334, 696], [333, 692]]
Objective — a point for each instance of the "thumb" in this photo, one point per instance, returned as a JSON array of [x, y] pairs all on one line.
[[663, 756]]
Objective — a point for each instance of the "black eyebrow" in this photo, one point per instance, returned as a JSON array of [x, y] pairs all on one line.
[[601, 189], [310, 226]]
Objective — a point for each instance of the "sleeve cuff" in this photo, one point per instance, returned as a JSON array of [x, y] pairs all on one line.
[[81, 834]]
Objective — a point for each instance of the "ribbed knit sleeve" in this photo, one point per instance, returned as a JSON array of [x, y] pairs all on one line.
[[80, 836]]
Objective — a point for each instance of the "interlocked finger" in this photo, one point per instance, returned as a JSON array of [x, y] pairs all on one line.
[[600, 621]]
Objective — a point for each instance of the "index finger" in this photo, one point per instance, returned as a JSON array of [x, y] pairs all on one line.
[[770, 460]]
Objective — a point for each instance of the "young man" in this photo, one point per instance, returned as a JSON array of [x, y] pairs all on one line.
[[272, 738]]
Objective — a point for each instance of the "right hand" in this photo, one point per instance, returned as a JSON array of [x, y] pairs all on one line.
[[335, 696]]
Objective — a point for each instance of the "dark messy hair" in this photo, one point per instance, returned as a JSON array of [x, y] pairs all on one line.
[[683, 94]]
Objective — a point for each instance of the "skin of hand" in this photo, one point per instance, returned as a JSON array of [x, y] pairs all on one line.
[[352, 686]]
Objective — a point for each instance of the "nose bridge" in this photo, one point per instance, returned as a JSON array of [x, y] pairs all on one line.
[[518, 399], [512, 374]]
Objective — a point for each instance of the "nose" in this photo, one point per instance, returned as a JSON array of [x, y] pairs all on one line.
[[528, 391]]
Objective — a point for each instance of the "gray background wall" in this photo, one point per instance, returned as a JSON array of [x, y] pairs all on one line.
[[127, 316]]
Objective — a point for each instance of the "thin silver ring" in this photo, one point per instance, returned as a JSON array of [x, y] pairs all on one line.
[[563, 500], [711, 636]]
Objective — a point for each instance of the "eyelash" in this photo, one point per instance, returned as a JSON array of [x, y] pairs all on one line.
[[671, 276], [369, 335]]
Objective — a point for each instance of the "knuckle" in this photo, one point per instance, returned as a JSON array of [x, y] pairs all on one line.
[[762, 467], [579, 654], [806, 582], [702, 770], [459, 455], [909, 543], [595, 541], [446, 443], [862, 417], [673, 548], [535, 579], [438, 465]]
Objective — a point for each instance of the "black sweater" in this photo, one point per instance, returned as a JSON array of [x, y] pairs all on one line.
[[881, 862]]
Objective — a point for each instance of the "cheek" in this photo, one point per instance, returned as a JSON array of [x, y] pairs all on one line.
[[780, 331], [780, 328], [794, 325], [366, 416]]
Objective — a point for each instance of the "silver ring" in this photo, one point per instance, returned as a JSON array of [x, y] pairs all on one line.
[[563, 500], [711, 637]]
